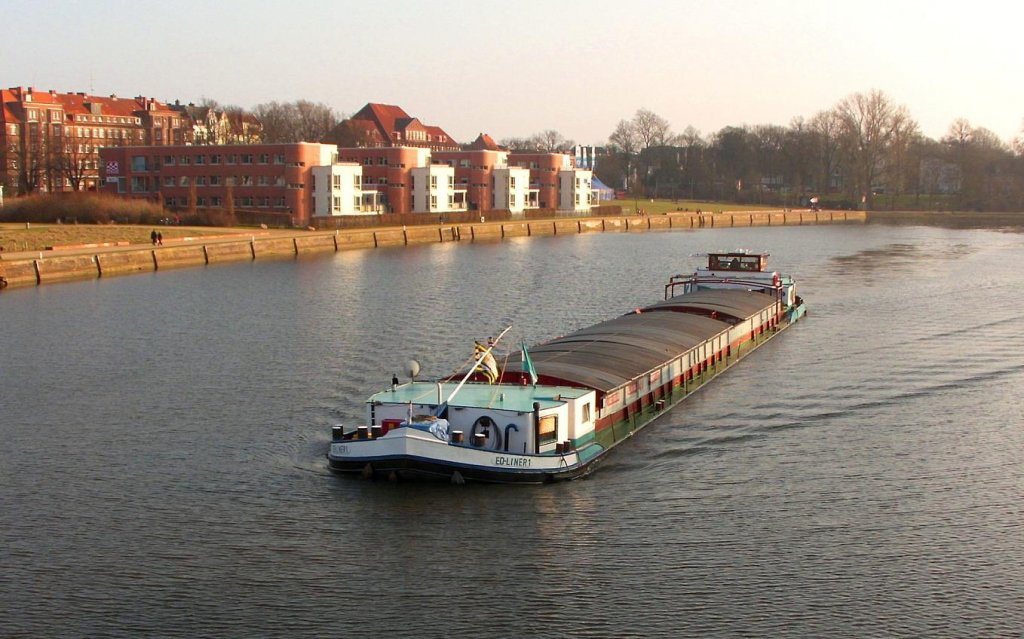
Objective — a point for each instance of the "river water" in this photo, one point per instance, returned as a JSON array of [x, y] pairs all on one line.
[[162, 464]]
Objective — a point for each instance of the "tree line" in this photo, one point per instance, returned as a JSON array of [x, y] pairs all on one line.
[[864, 152]]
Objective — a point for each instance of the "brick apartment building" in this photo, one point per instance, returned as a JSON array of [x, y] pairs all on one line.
[[399, 165], [49, 141], [307, 180], [274, 178]]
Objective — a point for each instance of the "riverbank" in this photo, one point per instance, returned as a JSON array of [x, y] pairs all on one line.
[[948, 219], [28, 268]]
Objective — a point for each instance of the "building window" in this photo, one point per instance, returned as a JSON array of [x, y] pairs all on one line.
[[355, 181], [263, 180], [433, 181], [214, 180], [168, 160], [139, 164], [433, 202], [168, 180], [201, 180], [183, 181], [232, 158], [368, 161], [337, 204], [382, 161], [247, 158], [264, 158], [246, 180], [184, 160], [279, 158], [214, 159]]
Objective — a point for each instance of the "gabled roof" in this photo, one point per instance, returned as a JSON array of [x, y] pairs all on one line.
[[440, 135], [483, 142], [385, 119], [75, 103]]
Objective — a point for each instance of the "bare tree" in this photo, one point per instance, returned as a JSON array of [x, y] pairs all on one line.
[[518, 144], [78, 159], [625, 140], [550, 141], [870, 125], [825, 129], [979, 155], [347, 135], [299, 121], [651, 129], [314, 120], [31, 158], [625, 137], [799, 156]]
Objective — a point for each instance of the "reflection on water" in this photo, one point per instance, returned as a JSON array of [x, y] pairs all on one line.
[[163, 474]]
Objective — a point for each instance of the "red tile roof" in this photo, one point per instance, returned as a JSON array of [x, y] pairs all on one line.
[[384, 120], [483, 142]]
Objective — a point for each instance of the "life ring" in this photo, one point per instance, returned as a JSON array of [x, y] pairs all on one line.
[[776, 281], [488, 425]]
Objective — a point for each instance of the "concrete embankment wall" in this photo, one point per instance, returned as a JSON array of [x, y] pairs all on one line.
[[50, 266]]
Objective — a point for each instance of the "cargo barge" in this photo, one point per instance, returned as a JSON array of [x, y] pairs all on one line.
[[558, 408]]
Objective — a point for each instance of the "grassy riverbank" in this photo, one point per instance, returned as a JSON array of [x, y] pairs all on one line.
[[19, 236], [948, 219]]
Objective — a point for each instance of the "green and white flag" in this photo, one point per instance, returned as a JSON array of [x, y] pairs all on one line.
[[528, 365]]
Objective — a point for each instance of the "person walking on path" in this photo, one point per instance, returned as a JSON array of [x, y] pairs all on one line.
[[152, 236], [159, 238]]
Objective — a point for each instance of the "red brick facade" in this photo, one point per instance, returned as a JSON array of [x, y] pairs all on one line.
[[274, 178], [50, 141]]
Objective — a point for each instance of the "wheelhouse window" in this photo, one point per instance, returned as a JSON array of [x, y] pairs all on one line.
[[547, 432]]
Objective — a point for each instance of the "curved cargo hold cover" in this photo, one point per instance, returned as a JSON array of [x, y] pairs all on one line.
[[607, 355], [737, 303]]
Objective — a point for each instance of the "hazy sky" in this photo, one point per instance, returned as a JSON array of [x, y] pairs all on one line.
[[517, 68]]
